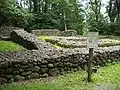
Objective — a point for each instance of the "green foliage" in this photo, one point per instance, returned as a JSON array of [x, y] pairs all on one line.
[[110, 29], [85, 29], [10, 46], [12, 14], [62, 15], [37, 14]]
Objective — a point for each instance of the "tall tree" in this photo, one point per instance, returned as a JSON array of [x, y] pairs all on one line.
[[94, 17]]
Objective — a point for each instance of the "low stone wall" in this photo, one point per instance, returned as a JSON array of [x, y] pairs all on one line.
[[32, 64], [46, 32], [54, 32], [68, 33], [42, 60], [29, 40], [6, 30]]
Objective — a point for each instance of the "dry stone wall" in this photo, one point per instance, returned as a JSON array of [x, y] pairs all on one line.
[[54, 32], [42, 60], [29, 40], [46, 32], [68, 33], [6, 30], [32, 64]]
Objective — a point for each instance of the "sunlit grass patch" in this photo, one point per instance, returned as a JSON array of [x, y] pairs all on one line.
[[47, 38], [10, 46], [44, 37]]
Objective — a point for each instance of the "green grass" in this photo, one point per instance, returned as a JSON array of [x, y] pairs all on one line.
[[44, 37], [9, 46], [107, 78]]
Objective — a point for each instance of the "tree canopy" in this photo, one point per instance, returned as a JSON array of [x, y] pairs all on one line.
[[62, 15]]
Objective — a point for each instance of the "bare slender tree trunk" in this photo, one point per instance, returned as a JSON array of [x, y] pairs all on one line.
[[30, 6], [110, 11], [21, 3], [65, 26], [46, 6], [35, 3]]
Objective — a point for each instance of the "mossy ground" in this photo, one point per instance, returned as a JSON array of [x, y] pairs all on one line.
[[10, 46]]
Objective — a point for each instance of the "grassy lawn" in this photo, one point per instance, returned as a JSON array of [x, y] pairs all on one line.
[[107, 78], [9, 46]]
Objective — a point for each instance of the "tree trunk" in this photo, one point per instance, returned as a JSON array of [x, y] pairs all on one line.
[[118, 7], [110, 11], [35, 3], [30, 6], [46, 6], [65, 26]]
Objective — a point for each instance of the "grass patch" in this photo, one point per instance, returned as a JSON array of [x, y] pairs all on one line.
[[47, 38], [10, 46], [107, 78], [44, 37], [56, 46]]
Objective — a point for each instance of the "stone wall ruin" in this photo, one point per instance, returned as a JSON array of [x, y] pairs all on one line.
[[32, 64], [54, 32], [44, 60]]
